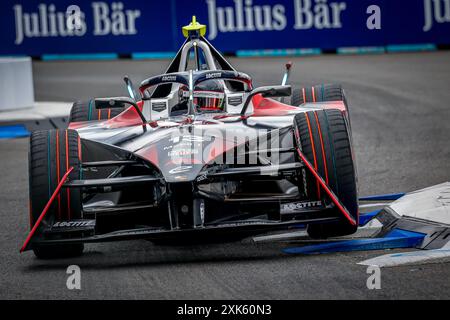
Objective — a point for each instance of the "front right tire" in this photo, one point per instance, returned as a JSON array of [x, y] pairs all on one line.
[[86, 111], [324, 139]]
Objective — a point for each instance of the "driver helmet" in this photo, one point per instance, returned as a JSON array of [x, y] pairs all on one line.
[[208, 95]]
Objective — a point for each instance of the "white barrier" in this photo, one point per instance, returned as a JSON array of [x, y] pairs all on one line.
[[16, 83]]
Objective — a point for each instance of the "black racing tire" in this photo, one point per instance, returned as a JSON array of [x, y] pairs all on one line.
[[324, 139], [51, 154], [318, 93], [86, 111]]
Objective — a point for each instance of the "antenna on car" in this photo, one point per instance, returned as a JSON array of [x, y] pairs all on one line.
[[287, 73]]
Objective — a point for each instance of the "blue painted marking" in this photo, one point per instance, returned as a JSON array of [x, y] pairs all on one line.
[[411, 47], [360, 50], [278, 52], [366, 217], [397, 238], [14, 131], [381, 197], [153, 55], [80, 56]]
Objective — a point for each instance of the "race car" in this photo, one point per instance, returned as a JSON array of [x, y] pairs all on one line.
[[194, 153]]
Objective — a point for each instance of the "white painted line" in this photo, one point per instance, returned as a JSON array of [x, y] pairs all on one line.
[[408, 258], [432, 204], [369, 230], [374, 205], [40, 110]]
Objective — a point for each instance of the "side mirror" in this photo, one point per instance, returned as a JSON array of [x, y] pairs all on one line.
[[118, 102], [130, 88], [113, 102], [267, 92]]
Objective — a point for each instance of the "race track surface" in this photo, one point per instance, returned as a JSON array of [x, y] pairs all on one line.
[[400, 113]]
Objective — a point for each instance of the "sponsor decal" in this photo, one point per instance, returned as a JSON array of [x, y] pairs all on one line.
[[159, 106], [213, 75], [47, 21], [74, 224], [189, 138], [235, 101], [202, 177], [244, 16], [435, 11], [180, 169], [182, 152], [169, 78], [294, 207], [203, 94]]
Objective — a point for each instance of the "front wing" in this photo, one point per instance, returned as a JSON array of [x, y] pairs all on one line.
[[292, 213]]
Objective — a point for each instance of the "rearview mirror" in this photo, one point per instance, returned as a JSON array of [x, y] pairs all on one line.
[[273, 91], [118, 102], [113, 102], [267, 92], [130, 88]]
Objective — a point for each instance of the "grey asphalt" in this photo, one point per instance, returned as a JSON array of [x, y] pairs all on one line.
[[400, 118]]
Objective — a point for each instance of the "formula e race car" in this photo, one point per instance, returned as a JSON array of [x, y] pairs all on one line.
[[194, 153]]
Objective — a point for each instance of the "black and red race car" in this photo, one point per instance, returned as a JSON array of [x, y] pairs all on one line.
[[195, 153]]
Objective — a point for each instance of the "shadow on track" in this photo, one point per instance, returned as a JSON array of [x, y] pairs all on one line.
[[145, 254]]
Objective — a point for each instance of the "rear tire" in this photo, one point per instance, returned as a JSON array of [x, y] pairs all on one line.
[[51, 154], [86, 111], [318, 93], [324, 139]]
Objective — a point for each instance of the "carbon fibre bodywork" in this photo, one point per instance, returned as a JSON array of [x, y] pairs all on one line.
[[152, 172]]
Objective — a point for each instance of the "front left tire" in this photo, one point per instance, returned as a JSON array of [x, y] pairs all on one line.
[[51, 154], [318, 93]]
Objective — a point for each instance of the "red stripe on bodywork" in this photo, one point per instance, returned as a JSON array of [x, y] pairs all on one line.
[[57, 172], [327, 189], [67, 169], [313, 150], [44, 212], [323, 149], [79, 148]]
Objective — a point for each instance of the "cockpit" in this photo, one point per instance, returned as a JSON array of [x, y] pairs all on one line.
[[222, 88]]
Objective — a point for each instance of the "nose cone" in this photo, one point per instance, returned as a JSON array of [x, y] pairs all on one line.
[[181, 155]]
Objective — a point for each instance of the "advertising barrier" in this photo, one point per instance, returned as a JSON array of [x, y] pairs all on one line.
[[39, 27]]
